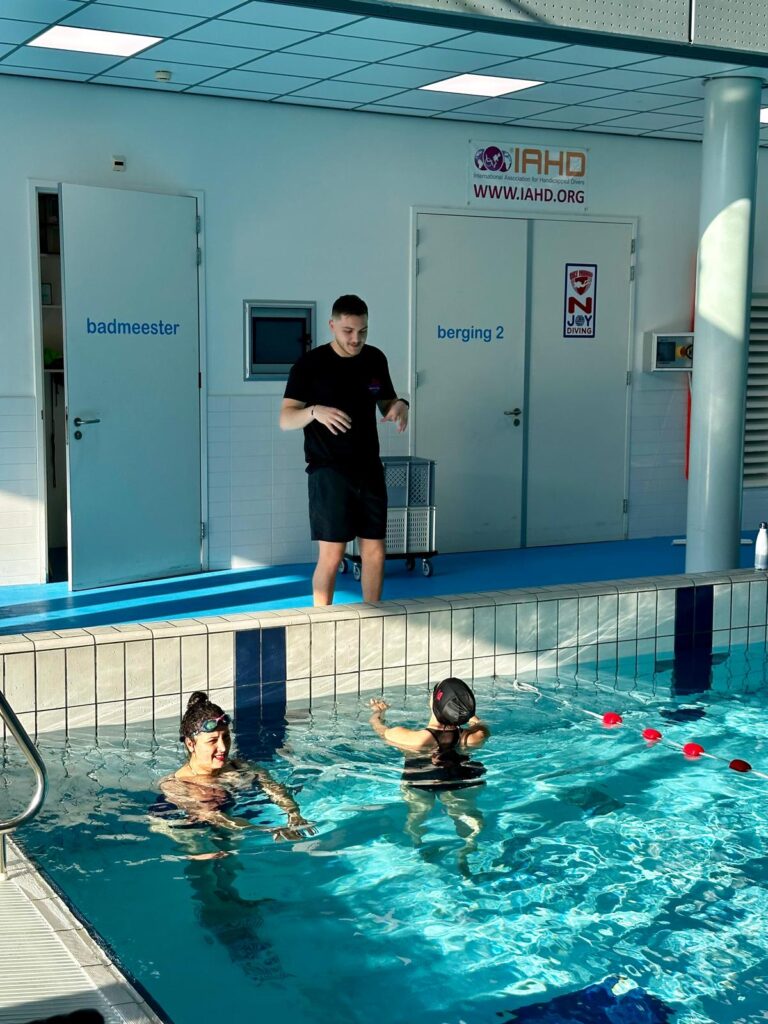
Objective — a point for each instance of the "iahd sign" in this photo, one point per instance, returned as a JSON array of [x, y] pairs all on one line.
[[544, 177]]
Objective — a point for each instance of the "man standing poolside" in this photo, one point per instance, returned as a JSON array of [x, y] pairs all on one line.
[[332, 394]]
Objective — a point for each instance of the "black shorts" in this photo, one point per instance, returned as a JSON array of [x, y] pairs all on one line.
[[345, 505]]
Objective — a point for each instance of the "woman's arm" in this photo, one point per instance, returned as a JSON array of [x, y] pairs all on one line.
[[297, 826], [398, 735], [476, 733]]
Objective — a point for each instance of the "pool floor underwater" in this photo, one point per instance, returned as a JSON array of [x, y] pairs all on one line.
[[28, 608]]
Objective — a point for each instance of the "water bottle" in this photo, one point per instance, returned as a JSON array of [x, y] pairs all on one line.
[[761, 547]]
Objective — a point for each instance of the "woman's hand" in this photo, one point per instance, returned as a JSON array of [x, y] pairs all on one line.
[[297, 828], [378, 705]]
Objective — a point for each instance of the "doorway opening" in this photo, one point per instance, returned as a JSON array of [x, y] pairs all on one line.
[[54, 418]]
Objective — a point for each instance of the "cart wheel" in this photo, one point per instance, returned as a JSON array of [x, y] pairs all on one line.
[[426, 567], [344, 567], [357, 571], [410, 564]]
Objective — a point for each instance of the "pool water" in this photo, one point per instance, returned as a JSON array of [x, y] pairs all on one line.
[[588, 853]]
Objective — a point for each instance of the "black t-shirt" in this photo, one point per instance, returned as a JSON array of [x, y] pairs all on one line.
[[353, 384]]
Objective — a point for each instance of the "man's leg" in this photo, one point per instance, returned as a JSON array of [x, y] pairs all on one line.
[[324, 580], [372, 557]]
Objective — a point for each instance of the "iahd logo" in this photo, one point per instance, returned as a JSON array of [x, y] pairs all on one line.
[[491, 158]]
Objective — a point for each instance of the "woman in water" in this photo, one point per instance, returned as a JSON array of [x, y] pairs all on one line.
[[437, 764], [203, 788]]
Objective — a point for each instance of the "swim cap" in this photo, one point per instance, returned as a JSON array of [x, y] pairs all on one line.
[[453, 702]]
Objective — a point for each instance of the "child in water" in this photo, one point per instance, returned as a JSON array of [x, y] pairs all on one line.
[[437, 764]]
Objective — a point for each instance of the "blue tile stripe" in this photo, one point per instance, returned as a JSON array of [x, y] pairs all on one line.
[[260, 671], [692, 668]]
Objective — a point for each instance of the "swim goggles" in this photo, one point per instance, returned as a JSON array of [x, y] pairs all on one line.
[[212, 724]]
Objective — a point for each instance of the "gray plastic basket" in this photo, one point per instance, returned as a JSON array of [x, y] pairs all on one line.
[[410, 481]]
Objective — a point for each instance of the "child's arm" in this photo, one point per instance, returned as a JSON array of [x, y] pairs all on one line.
[[411, 739], [476, 733]]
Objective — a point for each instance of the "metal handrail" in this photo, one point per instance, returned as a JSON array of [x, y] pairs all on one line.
[[30, 751]]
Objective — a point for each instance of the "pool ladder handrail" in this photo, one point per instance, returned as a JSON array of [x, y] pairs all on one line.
[[30, 751]]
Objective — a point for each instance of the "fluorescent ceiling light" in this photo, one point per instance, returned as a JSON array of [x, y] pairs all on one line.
[[89, 40], [764, 115], [480, 85]]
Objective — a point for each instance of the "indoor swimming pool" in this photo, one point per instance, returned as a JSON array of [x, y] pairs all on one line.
[[588, 854]]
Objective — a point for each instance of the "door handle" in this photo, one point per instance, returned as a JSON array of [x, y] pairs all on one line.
[[507, 412], [78, 422]]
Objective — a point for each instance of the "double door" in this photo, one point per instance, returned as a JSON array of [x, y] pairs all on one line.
[[521, 359]]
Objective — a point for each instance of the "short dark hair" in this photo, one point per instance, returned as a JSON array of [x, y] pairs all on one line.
[[199, 709], [348, 305]]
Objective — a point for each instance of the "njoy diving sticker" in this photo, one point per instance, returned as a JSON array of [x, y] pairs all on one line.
[[580, 305]]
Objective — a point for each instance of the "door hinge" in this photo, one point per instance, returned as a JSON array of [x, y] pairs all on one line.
[[198, 224], [631, 244], [199, 255], [416, 267], [202, 531], [418, 378], [629, 377], [632, 272], [625, 505], [199, 379]]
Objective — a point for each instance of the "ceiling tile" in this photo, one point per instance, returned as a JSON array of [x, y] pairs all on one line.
[[543, 70], [250, 81], [126, 19], [203, 54], [598, 56], [198, 8], [690, 108], [505, 46], [183, 74], [440, 59], [501, 106], [38, 10], [352, 92], [604, 129], [300, 101], [746, 72], [399, 31], [636, 101], [60, 60], [19, 31], [650, 121], [210, 90], [349, 48], [138, 83], [6, 48], [693, 87], [427, 100], [621, 78], [299, 64], [683, 66], [388, 74], [455, 115], [537, 122], [383, 108], [557, 92], [238, 33], [287, 16], [581, 115], [65, 76]]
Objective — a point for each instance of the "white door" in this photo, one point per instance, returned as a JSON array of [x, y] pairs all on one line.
[[578, 391], [132, 384], [470, 369]]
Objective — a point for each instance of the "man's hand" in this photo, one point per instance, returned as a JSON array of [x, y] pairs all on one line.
[[397, 413], [334, 419]]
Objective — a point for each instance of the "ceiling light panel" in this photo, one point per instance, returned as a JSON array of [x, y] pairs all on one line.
[[87, 40], [480, 85]]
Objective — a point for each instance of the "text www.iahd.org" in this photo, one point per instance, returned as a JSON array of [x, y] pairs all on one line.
[[530, 195]]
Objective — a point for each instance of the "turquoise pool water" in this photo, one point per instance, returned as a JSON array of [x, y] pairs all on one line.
[[595, 855]]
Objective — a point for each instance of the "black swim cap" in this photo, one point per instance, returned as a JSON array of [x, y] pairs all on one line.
[[453, 702]]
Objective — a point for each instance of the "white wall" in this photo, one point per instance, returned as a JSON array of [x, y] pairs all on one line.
[[307, 203]]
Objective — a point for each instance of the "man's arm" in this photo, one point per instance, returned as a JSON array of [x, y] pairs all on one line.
[[395, 410], [295, 415]]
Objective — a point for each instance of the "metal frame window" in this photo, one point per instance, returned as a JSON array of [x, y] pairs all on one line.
[[276, 335]]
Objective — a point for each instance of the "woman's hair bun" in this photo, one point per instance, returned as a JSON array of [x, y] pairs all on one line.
[[196, 699]]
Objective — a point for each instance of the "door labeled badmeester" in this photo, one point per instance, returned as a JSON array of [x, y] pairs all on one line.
[[132, 384]]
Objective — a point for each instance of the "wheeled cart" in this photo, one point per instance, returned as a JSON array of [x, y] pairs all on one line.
[[410, 516]]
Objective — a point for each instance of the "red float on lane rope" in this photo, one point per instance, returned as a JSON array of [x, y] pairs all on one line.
[[740, 766], [693, 749], [611, 719], [652, 735]]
